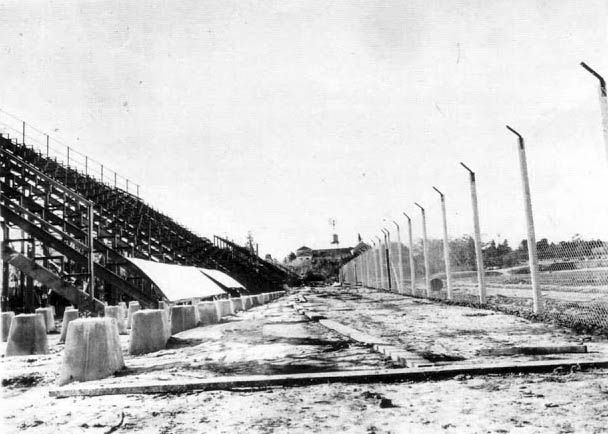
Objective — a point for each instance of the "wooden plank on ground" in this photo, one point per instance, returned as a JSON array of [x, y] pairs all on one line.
[[535, 351], [307, 379], [352, 333]]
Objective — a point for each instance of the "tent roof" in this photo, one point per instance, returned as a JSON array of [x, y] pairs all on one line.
[[178, 282], [222, 278]]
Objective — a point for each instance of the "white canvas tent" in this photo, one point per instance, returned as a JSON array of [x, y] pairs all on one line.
[[222, 278], [179, 282]]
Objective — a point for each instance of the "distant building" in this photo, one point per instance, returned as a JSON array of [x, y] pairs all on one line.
[[332, 254], [304, 253]]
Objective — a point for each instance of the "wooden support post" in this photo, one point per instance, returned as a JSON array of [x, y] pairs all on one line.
[[5, 270]]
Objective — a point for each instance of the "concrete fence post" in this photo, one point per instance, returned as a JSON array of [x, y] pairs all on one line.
[[478, 253], [411, 254], [532, 256], [425, 253], [446, 245], [379, 260], [387, 243], [400, 259], [603, 96]]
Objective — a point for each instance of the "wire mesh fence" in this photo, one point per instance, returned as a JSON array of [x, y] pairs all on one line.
[[573, 276], [443, 249]]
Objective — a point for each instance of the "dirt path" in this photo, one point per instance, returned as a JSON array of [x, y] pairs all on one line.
[[275, 339], [441, 332]]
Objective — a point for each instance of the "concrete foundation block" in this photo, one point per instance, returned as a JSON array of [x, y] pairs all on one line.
[[49, 319], [260, 299], [27, 335], [92, 350], [224, 308], [124, 308], [7, 317], [69, 315], [182, 318], [133, 307], [266, 298], [116, 313], [207, 313], [148, 331], [167, 316], [255, 300], [247, 303], [236, 304]]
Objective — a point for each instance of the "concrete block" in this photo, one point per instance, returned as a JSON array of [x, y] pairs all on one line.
[[148, 331], [92, 350], [260, 299], [207, 313], [49, 319], [247, 302], [133, 307], [266, 298], [224, 308], [167, 315], [182, 318], [125, 309], [116, 313], [7, 317], [69, 315], [27, 335], [236, 304]]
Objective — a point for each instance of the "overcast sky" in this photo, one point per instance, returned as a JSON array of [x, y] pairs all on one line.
[[273, 117]]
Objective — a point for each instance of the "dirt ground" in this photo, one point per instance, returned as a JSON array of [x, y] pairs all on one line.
[[276, 339]]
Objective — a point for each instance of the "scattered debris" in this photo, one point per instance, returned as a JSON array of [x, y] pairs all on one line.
[[24, 380]]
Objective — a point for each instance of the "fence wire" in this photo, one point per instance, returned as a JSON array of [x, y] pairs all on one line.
[[572, 269]]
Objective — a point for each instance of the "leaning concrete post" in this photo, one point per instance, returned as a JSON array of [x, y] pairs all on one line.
[[69, 315], [380, 253], [49, 321], [400, 259], [533, 258], [368, 269], [148, 331], [92, 350], [411, 254], [425, 252], [446, 245], [373, 265], [27, 335], [7, 317], [478, 253], [603, 96], [116, 313]]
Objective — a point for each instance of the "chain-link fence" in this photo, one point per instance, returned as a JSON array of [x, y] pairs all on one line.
[[434, 250]]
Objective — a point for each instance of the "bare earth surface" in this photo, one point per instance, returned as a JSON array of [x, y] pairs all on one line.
[[275, 339]]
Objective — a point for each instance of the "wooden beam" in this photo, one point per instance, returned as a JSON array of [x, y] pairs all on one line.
[[308, 379], [535, 351]]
